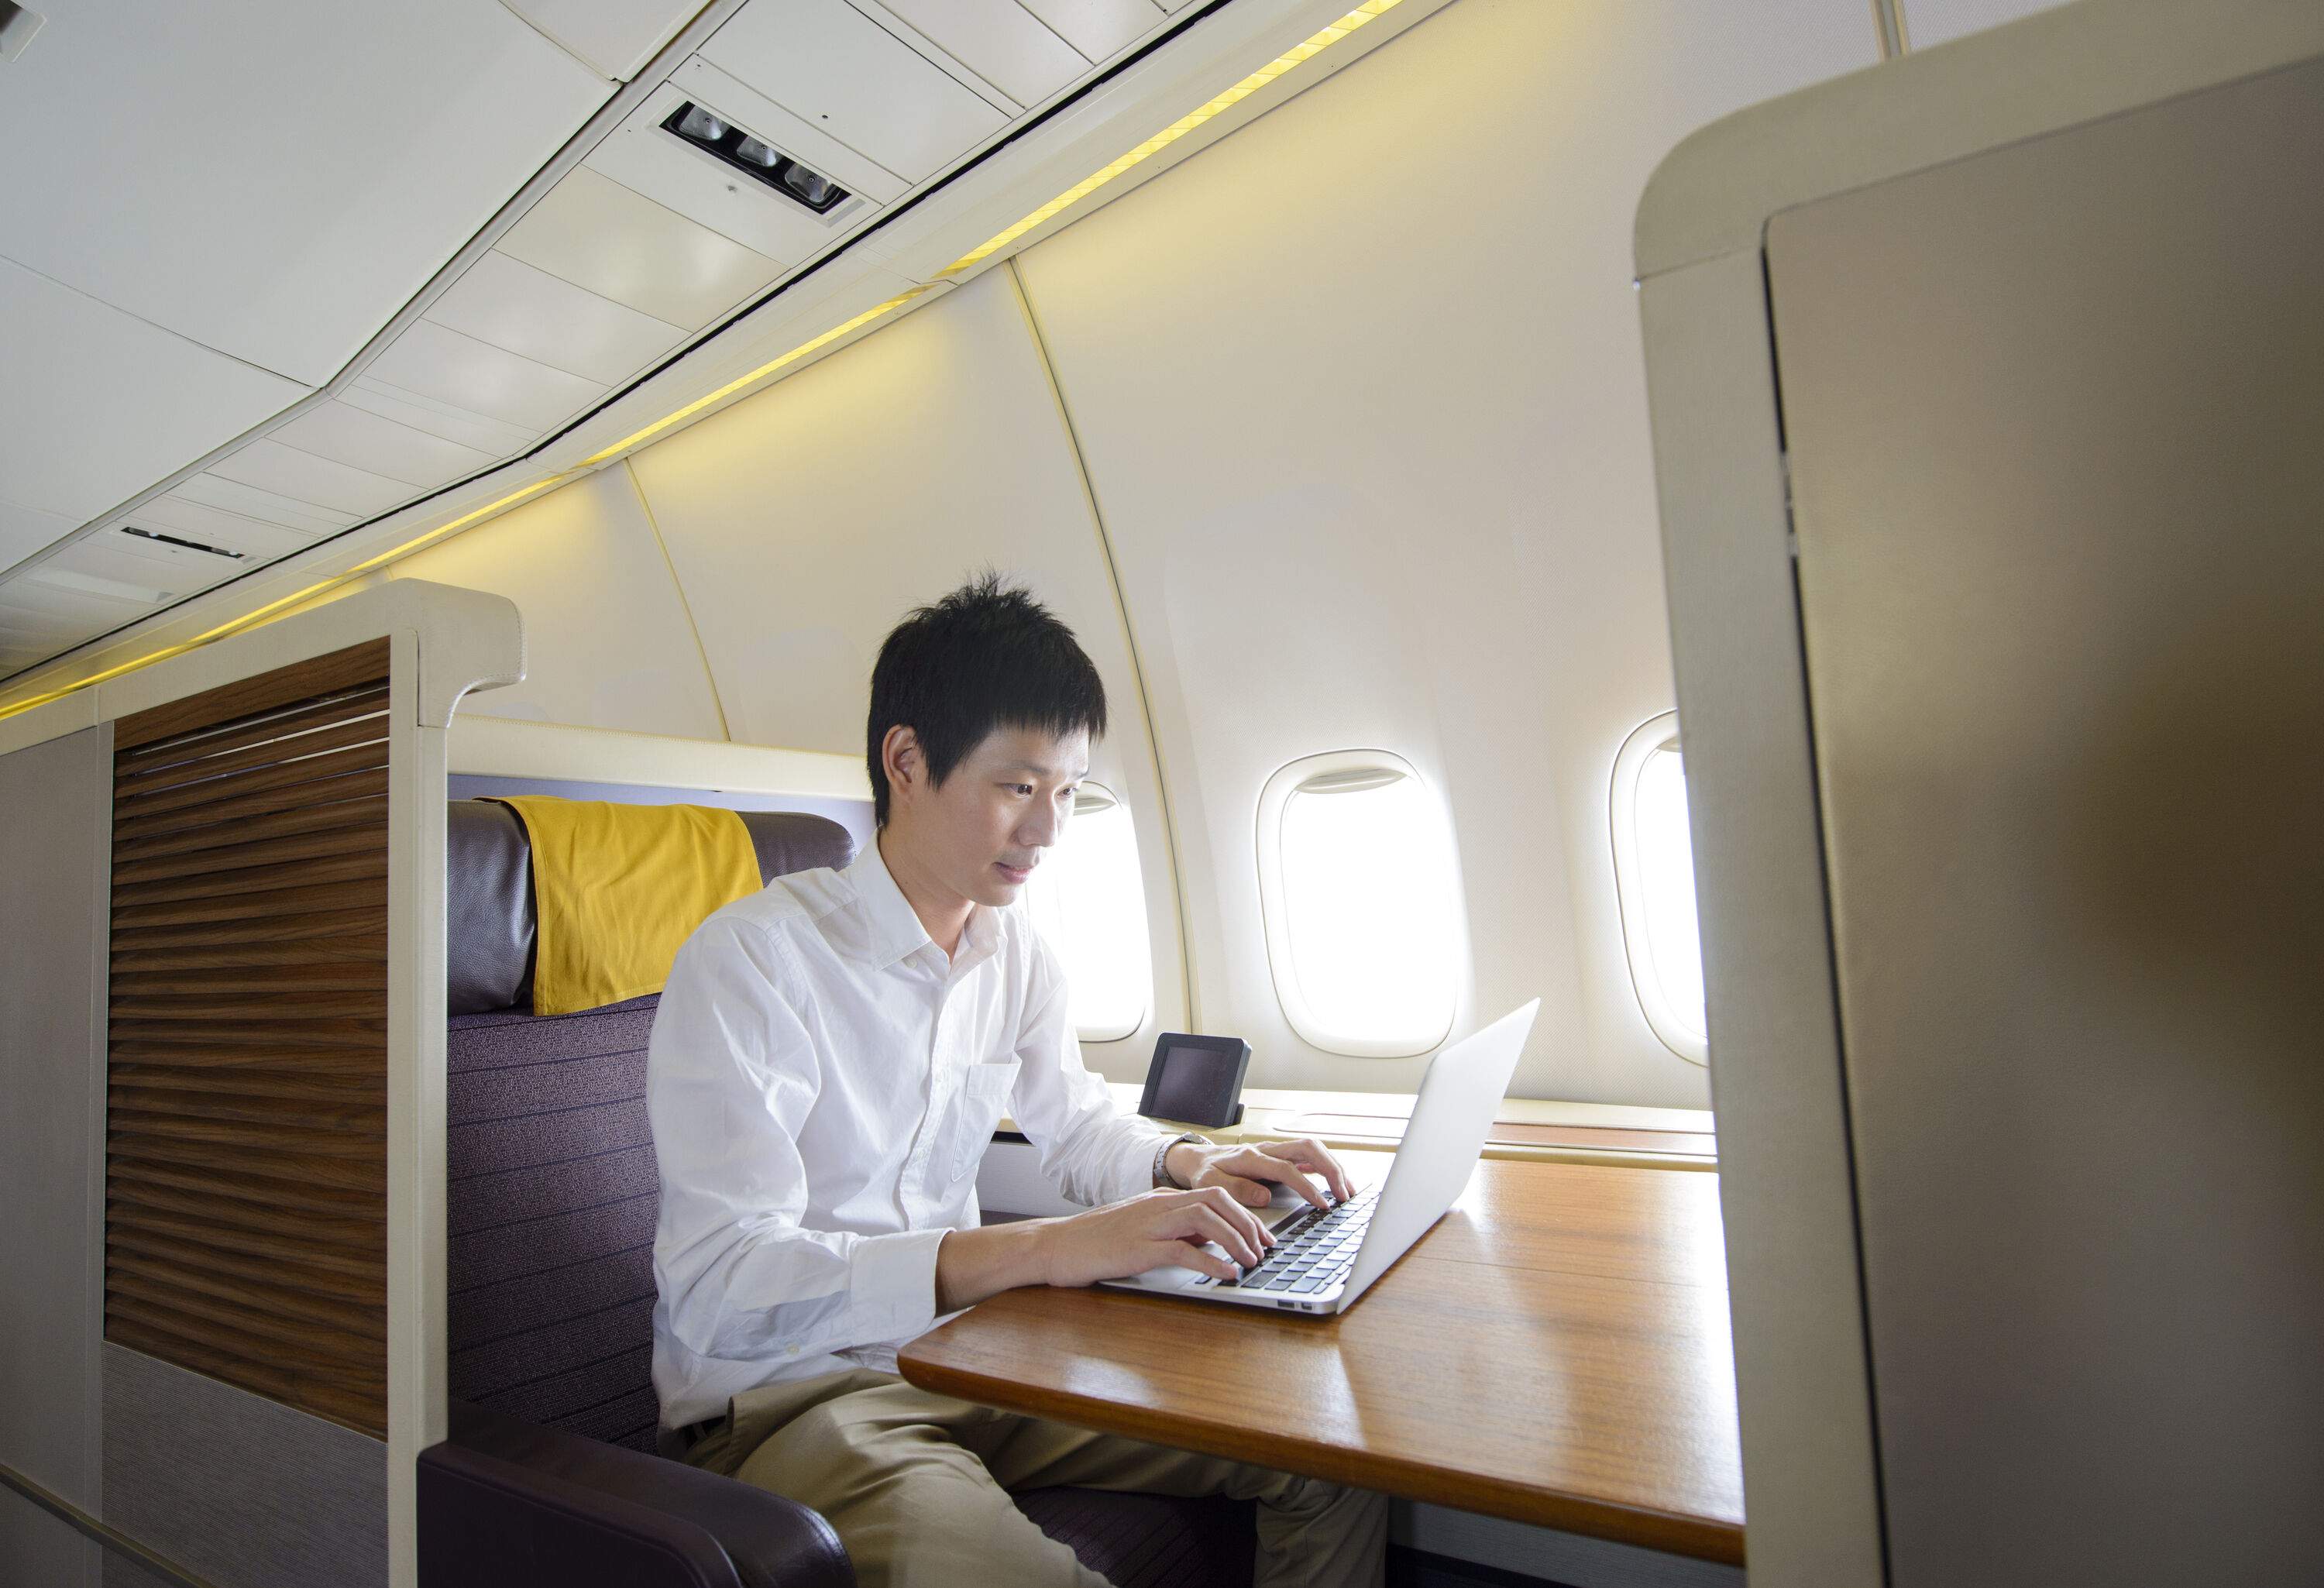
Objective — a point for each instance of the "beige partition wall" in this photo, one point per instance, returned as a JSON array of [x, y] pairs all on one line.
[[225, 1068]]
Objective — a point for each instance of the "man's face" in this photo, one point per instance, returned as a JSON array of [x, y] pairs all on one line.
[[981, 833]]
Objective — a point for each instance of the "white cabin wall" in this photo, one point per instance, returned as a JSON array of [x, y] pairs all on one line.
[[608, 641], [804, 523], [1361, 397]]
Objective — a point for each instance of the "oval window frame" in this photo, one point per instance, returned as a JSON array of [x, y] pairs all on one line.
[[1274, 910], [1646, 740], [1090, 799]]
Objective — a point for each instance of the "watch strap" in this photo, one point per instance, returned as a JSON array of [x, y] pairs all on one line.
[[1162, 1175]]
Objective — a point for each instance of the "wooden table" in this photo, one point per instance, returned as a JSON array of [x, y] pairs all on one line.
[[1554, 1350]]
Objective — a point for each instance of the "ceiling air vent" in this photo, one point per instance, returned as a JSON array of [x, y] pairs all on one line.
[[707, 131], [179, 540]]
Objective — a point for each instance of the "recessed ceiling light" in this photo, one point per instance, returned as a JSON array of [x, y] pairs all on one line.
[[713, 135]]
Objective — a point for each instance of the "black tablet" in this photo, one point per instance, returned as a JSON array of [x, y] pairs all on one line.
[[1197, 1080]]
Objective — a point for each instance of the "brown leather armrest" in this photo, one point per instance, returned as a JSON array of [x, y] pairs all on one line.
[[512, 1504]]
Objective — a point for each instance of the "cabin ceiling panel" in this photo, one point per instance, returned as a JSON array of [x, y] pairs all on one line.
[[525, 310], [1098, 28], [25, 529], [97, 405], [613, 37], [362, 440], [311, 165], [302, 476], [433, 417], [836, 69], [1366, 489], [114, 563], [211, 490], [596, 233], [998, 40], [608, 643], [439, 362]]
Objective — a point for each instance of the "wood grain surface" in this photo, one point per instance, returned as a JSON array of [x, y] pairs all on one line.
[[246, 1082], [1554, 1350]]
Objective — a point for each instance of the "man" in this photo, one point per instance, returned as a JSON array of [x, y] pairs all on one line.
[[826, 1068]]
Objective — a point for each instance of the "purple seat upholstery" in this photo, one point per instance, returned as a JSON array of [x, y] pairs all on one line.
[[551, 1198]]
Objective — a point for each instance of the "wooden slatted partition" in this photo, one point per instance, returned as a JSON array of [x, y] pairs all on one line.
[[246, 1088]]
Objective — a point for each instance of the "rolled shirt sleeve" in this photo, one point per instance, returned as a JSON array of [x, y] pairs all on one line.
[[732, 1073], [1090, 1149]]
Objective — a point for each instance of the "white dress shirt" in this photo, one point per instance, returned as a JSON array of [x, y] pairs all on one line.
[[822, 1082]]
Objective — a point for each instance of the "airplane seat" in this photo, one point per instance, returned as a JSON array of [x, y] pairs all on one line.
[[551, 1199]]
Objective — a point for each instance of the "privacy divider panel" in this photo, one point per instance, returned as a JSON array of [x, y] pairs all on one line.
[[246, 1084]]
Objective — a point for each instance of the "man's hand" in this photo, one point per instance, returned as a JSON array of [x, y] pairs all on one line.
[[1148, 1232], [1155, 1231], [1248, 1171]]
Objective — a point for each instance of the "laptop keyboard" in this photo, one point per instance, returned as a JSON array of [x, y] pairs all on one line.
[[1313, 1249]]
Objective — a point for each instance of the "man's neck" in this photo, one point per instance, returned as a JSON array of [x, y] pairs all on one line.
[[943, 913]]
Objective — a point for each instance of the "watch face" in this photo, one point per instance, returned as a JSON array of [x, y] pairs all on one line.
[[1193, 1085]]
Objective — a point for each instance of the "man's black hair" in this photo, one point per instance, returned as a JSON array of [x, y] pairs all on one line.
[[987, 656]]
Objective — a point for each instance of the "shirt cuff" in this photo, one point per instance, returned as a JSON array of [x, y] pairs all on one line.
[[898, 1272], [1137, 1175]]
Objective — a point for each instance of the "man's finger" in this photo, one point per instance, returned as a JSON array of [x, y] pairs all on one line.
[[1186, 1254], [1314, 1155], [1250, 1193], [1223, 1204], [1234, 1241], [1279, 1165]]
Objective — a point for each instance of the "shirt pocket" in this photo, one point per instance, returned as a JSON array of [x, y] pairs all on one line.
[[983, 1099]]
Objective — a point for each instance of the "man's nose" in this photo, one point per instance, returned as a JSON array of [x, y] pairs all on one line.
[[1040, 829]]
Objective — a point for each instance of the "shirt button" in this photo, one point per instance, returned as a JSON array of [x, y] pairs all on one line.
[[791, 1351]]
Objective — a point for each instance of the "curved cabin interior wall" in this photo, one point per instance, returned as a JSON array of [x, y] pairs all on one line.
[[1359, 401]]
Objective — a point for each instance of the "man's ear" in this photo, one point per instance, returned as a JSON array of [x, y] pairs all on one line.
[[902, 757]]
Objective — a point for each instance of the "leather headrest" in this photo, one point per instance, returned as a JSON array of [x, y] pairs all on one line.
[[488, 891]]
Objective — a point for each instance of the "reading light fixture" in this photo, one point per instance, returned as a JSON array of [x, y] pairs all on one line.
[[1307, 49], [712, 135]]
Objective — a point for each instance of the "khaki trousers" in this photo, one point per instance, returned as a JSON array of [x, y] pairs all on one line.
[[917, 1485]]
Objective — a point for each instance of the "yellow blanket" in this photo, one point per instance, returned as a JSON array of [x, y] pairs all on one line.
[[618, 887]]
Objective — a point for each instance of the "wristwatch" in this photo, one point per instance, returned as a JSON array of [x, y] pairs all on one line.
[[1162, 1175]]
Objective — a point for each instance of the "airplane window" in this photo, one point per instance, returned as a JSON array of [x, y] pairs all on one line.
[[1357, 884], [1654, 876], [1087, 898]]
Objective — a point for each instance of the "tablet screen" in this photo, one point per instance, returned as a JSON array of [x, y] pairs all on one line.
[[1194, 1083]]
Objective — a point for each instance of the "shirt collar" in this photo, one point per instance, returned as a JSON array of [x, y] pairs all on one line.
[[892, 926]]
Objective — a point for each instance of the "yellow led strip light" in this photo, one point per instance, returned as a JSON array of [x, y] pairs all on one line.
[[235, 625], [1305, 49], [760, 374]]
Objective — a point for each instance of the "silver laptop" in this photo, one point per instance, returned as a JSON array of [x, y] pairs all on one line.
[[1327, 1258]]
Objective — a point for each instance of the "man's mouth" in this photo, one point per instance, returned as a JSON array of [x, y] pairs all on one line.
[[1015, 873]]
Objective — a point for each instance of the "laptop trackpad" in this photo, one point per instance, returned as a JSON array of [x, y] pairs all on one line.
[[1170, 1277]]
